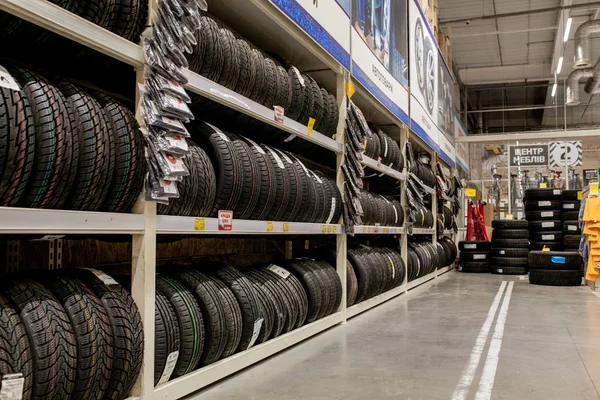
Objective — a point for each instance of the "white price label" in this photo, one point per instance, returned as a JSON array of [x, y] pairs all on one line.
[[256, 146], [395, 213], [499, 271], [572, 228], [470, 246], [569, 206], [7, 81], [169, 367], [169, 186], [219, 132], [257, 325], [546, 214], [548, 224], [282, 272], [479, 256], [544, 203], [393, 267], [178, 142], [299, 76], [276, 157], [502, 252], [332, 211], [108, 280], [12, 387], [556, 192], [547, 237]]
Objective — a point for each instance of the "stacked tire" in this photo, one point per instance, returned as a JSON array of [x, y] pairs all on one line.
[[379, 146], [64, 148], [378, 209], [570, 212], [555, 268], [510, 247], [377, 270], [474, 256], [210, 311], [74, 334], [543, 211], [424, 257]]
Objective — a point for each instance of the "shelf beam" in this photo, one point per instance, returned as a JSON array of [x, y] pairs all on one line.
[[384, 169]]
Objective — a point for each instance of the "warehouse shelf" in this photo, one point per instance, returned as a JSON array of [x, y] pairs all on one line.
[[201, 378], [39, 221], [423, 231], [378, 230], [376, 165], [167, 224], [448, 232], [58, 20]]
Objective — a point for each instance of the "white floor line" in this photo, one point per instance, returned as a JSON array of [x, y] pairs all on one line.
[[486, 383], [464, 384]]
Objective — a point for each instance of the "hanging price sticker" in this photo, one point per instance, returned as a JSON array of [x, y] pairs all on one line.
[[593, 188], [324, 228], [579, 195], [350, 89], [279, 114], [469, 192], [225, 220], [335, 229], [509, 216], [310, 126], [199, 224], [329, 229], [546, 248], [269, 227], [286, 227], [543, 185]]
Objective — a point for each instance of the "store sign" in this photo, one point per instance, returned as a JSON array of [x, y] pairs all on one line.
[[462, 149], [424, 60], [529, 155], [566, 154], [326, 21], [379, 52], [470, 192], [590, 175]]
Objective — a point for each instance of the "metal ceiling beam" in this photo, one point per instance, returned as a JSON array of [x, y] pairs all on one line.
[[510, 32], [505, 74], [589, 5], [532, 135]]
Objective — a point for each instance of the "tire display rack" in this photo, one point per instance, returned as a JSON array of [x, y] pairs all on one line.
[[144, 224]]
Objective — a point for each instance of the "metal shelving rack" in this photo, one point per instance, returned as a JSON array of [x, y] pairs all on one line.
[[144, 224]]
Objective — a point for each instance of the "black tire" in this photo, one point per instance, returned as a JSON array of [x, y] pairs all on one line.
[[247, 75], [550, 236], [555, 277], [213, 314], [510, 224], [269, 89], [190, 321], [572, 241], [543, 194], [547, 246], [570, 205], [245, 295], [267, 311], [230, 72], [233, 318], [570, 215], [130, 19], [551, 225], [473, 246], [542, 205], [543, 215], [504, 270], [510, 234], [126, 325], [312, 288], [281, 304], [510, 243], [565, 260], [51, 338], [212, 55], [17, 145], [509, 262], [93, 335], [16, 353], [473, 256], [474, 267], [251, 179], [508, 252], [571, 228], [571, 194], [166, 334], [282, 188], [351, 285]]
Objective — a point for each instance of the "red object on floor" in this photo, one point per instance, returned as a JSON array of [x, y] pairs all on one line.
[[476, 222]]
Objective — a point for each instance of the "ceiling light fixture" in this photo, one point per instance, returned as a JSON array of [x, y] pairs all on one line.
[[559, 66], [554, 90], [567, 29]]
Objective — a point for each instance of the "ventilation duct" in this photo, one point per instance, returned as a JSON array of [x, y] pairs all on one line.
[[582, 43], [573, 84], [592, 84]]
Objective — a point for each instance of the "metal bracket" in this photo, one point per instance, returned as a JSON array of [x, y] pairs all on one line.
[[55, 254], [13, 255]]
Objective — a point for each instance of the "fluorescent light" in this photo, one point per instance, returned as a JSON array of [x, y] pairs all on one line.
[[554, 90], [567, 29], [559, 66]]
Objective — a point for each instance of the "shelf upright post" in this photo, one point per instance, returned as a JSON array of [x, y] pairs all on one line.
[[341, 239], [403, 203]]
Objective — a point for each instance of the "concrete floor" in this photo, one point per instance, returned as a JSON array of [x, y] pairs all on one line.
[[416, 346]]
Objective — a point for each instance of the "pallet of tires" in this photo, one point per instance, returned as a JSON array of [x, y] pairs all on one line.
[[474, 256], [126, 18], [230, 172], [570, 214], [210, 311], [543, 211], [510, 247], [382, 210], [424, 258], [225, 57], [555, 268], [62, 147], [377, 270], [76, 334]]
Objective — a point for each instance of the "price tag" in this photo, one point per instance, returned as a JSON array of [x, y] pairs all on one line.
[[7, 81], [470, 192], [546, 248], [329, 229], [335, 229], [364, 229], [350, 89], [279, 271], [377, 228], [310, 126], [579, 195], [225, 220], [257, 325], [386, 230], [324, 228], [593, 188], [286, 227], [199, 224], [12, 387], [509, 216], [106, 279], [269, 227], [169, 367], [543, 185], [279, 114]]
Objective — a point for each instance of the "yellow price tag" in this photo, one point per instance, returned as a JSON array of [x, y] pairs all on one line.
[[364, 229], [324, 228], [335, 229], [579, 195], [509, 216], [310, 126], [386, 230], [199, 224], [286, 227], [543, 185], [470, 192], [593, 188], [546, 248], [350, 89], [269, 227], [329, 229]]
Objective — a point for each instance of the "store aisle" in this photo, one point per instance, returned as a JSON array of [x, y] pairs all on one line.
[[421, 345]]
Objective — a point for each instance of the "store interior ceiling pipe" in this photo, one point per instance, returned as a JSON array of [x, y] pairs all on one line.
[[582, 43], [573, 84], [592, 83]]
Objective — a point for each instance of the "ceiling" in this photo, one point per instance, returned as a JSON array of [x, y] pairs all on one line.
[[506, 53]]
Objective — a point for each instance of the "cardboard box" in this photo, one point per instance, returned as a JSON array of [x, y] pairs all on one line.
[[488, 230], [488, 214]]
